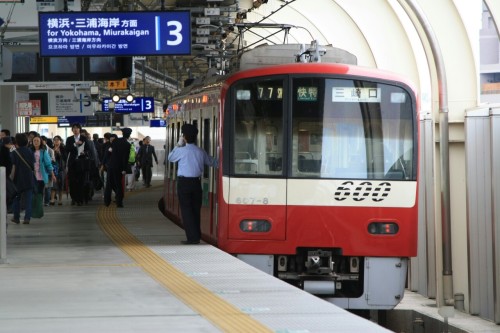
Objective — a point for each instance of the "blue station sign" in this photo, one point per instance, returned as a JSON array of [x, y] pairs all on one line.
[[66, 121], [157, 123], [79, 34], [138, 105]]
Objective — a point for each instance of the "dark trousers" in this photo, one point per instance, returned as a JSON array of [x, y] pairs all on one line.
[[147, 174], [190, 198], [113, 183], [75, 183]]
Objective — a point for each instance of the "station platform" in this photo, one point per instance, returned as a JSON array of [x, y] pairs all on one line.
[[94, 268]]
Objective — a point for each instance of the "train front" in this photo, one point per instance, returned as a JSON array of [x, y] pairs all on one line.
[[319, 180]]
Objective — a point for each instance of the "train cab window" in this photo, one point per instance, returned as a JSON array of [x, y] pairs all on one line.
[[307, 129], [258, 128], [351, 129]]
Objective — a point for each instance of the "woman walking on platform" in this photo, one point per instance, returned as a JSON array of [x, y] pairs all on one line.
[[59, 170], [23, 163], [44, 171]]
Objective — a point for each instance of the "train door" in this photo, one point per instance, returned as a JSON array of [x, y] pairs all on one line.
[[206, 137], [254, 178], [171, 203], [214, 173]]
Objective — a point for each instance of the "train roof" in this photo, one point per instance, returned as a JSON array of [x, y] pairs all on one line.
[[281, 59], [271, 55], [218, 81], [320, 68]]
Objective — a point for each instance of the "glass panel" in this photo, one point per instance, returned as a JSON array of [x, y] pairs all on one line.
[[351, 129], [258, 128], [206, 143]]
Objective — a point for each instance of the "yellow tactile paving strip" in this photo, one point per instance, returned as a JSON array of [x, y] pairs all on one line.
[[220, 313]]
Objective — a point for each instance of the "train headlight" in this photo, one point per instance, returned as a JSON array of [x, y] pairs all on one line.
[[255, 226], [383, 228]]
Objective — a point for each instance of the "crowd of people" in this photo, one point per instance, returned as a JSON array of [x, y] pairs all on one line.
[[43, 169]]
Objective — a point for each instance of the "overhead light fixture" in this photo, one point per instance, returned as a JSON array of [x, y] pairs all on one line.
[[115, 98], [129, 98], [94, 92]]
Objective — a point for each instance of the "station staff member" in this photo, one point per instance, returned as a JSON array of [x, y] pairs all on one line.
[[191, 160]]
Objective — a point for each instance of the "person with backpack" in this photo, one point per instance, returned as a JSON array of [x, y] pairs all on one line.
[[130, 178], [22, 173]]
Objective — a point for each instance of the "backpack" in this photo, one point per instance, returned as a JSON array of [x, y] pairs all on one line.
[[131, 156]]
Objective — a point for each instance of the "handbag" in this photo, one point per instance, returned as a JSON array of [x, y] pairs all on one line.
[[137, 172], [55, 168], [37, 205]]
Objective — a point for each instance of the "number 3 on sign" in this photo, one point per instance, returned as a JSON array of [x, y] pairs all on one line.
[[174, 33], [148, 105]]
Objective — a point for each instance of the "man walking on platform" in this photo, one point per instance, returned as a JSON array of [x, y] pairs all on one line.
[[145, 160], [191, 160], [116, 167], [77, 151]]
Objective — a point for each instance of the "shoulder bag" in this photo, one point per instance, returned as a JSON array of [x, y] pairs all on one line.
[[35, 187]]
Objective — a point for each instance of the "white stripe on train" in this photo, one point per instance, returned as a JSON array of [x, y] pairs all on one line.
[[320, 192]]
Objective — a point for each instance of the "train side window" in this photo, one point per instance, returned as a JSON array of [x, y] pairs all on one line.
[[257, 132]]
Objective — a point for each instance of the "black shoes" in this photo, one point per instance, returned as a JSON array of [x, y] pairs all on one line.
[[189, 242], [109, 203], [26, 221]]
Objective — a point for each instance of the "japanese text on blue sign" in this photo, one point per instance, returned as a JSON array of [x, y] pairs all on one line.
[[114, 33], [157, 123], [138, 105]]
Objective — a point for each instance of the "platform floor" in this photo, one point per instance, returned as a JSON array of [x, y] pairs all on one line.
[[106, 269]]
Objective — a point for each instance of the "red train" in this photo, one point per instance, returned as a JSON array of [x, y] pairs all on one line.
[[317, 177]]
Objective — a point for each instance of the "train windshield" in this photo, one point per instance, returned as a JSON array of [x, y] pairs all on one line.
[[324, 128]]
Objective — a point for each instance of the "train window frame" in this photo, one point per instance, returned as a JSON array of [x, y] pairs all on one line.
[[288, 143], [268, 164], [314, 173]]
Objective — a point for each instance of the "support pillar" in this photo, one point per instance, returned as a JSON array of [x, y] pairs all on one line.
[[8, 111]]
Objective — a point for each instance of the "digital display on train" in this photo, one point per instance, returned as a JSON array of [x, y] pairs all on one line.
[[356, 95], [307, 94], [269, 93], [81, 34]]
